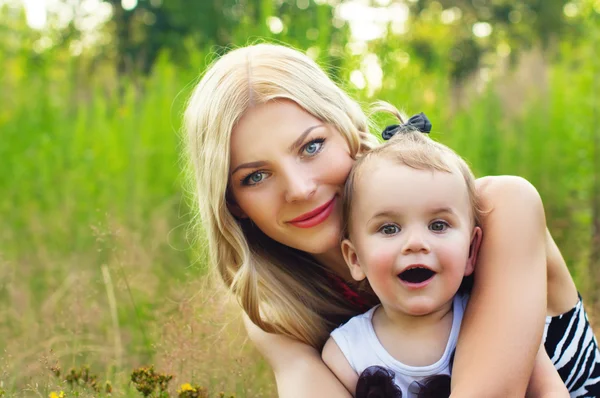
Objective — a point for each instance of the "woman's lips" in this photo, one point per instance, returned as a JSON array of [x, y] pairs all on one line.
[[314, 217]]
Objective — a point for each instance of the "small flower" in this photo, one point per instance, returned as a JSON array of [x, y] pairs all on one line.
[[55, 394], [186, 387]]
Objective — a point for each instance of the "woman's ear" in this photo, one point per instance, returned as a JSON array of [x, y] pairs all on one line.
[[352, 262], [236, 210], [233, 206], [473, 250]]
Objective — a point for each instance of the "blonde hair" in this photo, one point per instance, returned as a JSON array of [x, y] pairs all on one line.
[[414, 149], [282, 290]]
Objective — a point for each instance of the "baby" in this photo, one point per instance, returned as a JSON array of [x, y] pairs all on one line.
[[412, 231]]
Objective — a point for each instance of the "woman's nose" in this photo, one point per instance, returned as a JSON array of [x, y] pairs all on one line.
[[300, 185], [416, 241]]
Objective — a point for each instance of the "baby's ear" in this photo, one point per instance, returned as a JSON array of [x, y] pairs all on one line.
[[351, 259], [476, 237]]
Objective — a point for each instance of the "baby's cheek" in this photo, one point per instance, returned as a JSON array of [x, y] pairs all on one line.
[[454, 252], [382, 257]]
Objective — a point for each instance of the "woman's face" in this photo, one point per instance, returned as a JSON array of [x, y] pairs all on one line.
[[287, 173]]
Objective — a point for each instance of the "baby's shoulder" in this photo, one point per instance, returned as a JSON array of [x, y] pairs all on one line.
[[357, 324]]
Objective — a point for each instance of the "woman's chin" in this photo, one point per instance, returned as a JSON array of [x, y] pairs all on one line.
[[325, 241], [320, 243]]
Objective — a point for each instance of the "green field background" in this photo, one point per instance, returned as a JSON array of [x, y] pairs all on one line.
[[100, 263]]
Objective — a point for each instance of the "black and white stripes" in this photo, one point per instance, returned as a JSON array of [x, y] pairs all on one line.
[[572, 347]]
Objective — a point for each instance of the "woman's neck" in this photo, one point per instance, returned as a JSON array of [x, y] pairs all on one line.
[[334, 261]]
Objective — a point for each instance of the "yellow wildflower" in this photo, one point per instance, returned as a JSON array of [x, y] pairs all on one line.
[[186, 387], [54, 394]]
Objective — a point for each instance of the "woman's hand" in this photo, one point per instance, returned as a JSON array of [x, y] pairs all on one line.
[[504, 320]]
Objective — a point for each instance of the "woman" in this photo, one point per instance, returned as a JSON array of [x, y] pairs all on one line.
[[271, 140]]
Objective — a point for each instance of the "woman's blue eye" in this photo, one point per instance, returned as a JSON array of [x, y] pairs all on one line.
[[254, 178], [438, 226], [389, 229], [313, 147]]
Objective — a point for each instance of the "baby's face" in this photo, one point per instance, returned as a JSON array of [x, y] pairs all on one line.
[[410, 235]]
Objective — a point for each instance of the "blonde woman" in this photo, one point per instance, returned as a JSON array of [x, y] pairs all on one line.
[[271, 140]]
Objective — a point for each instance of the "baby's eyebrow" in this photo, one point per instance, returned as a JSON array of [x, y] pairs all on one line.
[[442, 210], [381, 214], [385, 213], [391, 214]]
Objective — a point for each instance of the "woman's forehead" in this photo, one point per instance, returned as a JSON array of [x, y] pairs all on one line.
[[269, 124], [271, 112]]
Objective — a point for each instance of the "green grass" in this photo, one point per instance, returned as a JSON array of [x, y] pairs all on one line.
[[98, 260]]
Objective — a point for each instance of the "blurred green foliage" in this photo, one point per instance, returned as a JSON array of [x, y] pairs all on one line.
[[91, 176]]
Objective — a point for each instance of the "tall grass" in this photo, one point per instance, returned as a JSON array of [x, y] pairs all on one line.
[[98, 263]]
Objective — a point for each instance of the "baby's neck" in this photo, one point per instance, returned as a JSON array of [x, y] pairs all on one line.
[[414, 340]]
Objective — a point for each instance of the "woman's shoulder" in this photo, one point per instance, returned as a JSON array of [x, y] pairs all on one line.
[[298, 367], [506, 189], [277, 348], [358, 323], [505, 183]]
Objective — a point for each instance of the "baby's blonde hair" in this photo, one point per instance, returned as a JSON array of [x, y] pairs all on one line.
[[414, 149], [281, 289]]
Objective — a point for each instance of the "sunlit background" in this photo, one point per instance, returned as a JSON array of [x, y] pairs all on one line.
[[100, 264]]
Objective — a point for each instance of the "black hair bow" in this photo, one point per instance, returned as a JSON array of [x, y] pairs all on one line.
[[417, 122]]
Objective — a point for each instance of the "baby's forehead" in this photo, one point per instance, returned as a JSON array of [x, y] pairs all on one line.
[[370, 166], [386, 167], [388, 182], [382, 163]]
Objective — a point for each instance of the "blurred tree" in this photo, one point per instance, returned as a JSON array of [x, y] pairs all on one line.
[[483, 27], [140, 33], [153, 26]]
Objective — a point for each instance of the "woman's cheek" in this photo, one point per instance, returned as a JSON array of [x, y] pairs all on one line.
[[258, 204], [343, 164]]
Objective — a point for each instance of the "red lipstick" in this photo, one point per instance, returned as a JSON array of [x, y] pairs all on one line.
[[315, 216]]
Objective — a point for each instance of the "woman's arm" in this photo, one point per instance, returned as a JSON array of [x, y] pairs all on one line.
[[562, 293], [299, 370], [504, 321], [545, 381]]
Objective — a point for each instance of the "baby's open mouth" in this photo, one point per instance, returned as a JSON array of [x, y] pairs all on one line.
[[416, 275]]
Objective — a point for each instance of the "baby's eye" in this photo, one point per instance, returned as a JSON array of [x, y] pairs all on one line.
[[438, 226], [389, 229], [313, 147], [254, 178]]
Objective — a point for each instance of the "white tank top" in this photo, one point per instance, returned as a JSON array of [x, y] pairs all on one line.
[[361, 347]]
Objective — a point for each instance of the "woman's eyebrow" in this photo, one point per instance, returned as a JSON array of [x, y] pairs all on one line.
[[296, 144], [249, 165], [300, 139]]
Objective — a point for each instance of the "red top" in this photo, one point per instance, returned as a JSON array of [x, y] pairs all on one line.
[[349, 294]]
